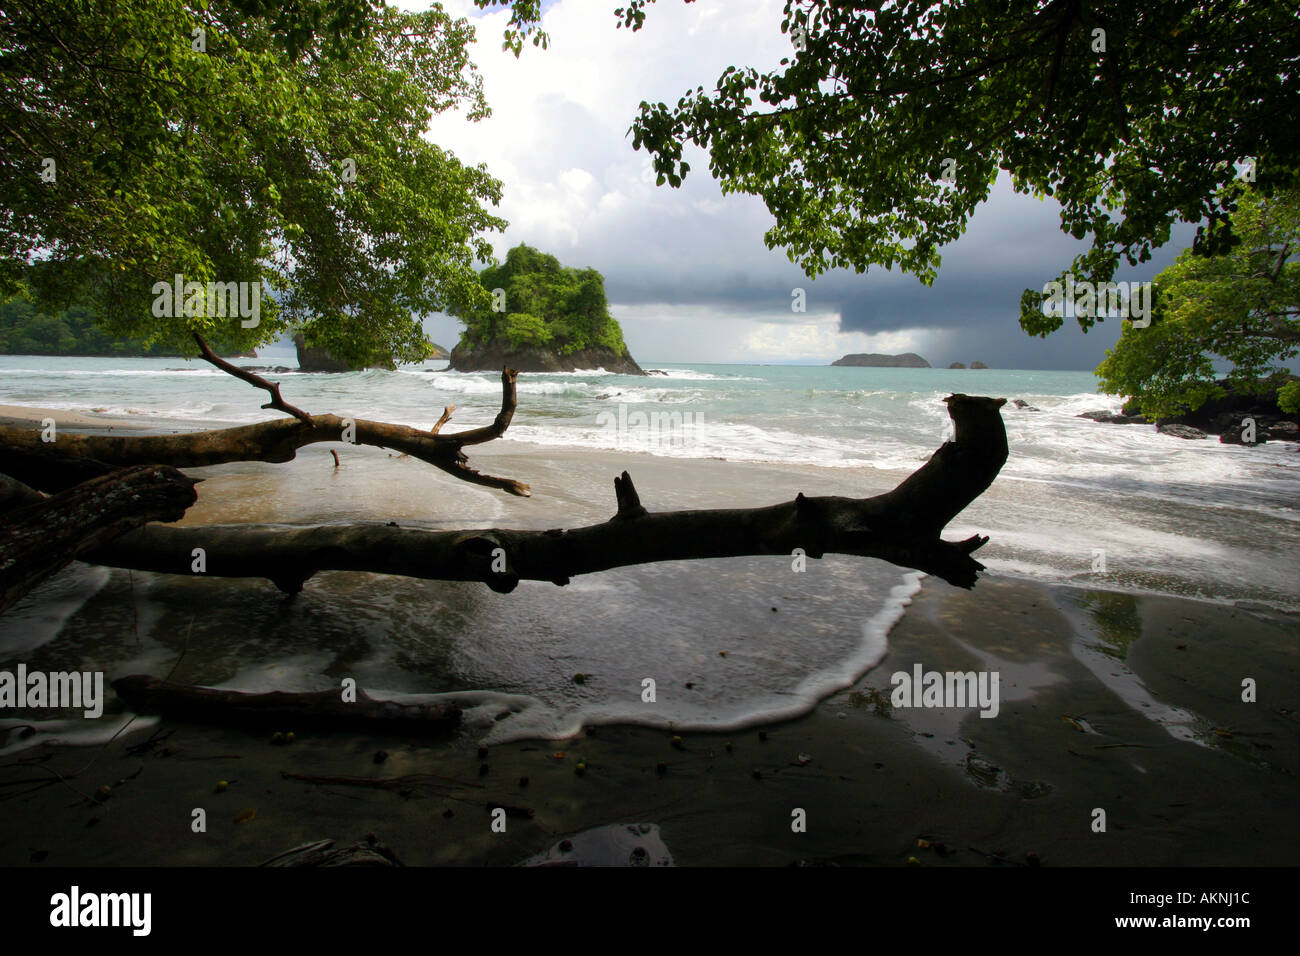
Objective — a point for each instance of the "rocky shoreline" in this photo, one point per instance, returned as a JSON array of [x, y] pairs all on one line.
[[1237, 418], [495, 357]]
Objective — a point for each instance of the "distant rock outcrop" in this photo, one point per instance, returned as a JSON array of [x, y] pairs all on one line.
[[957, 365], [315, 359], [1114, 418], [539, 358], [877, 360], [1180, 431], [1234, 417], [978, 365]]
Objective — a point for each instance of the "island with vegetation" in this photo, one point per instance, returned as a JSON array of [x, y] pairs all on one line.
[[877, 360], [541, 317]]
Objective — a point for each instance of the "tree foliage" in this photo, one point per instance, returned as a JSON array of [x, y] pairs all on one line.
[[25, 330], [540, 302], [887, 126], [241, 141], [1242, 307]]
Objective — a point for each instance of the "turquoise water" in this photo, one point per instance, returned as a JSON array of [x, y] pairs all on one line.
[[1195, 519]]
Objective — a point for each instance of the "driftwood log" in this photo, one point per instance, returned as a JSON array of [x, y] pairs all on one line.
[[73, 458], [44, 535], [318, 710], [902, 526]]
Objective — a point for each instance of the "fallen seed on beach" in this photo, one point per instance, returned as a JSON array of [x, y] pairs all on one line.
[[580, 678], [677, 743], [690, 684], [722, 653]]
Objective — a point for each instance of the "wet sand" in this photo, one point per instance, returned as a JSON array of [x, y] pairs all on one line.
[[873, 780], [1129, 704]]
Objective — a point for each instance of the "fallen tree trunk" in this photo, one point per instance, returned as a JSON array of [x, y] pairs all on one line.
[[52, 467], [902, 526], [44, 536], [320, 710]]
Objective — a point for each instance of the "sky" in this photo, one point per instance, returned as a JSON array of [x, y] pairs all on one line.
[[687, 273]]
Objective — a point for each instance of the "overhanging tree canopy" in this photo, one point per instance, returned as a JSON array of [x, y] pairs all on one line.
[[889, 122], [1242, 307], [241, 142]]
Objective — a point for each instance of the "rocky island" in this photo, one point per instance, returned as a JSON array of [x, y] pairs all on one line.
[[877, 360], [542, 317]]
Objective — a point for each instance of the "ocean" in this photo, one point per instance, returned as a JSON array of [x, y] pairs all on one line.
[[728, 643]]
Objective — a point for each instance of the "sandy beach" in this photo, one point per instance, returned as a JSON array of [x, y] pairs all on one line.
[[1127, 703]]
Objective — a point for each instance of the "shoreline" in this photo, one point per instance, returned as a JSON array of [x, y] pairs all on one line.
[[1124, 700], [1019, 789]]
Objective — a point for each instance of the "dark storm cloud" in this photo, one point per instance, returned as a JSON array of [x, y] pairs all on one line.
[[577, 189]]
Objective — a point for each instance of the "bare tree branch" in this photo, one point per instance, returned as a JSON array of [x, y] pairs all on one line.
[[22, 450], [276, 402]]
